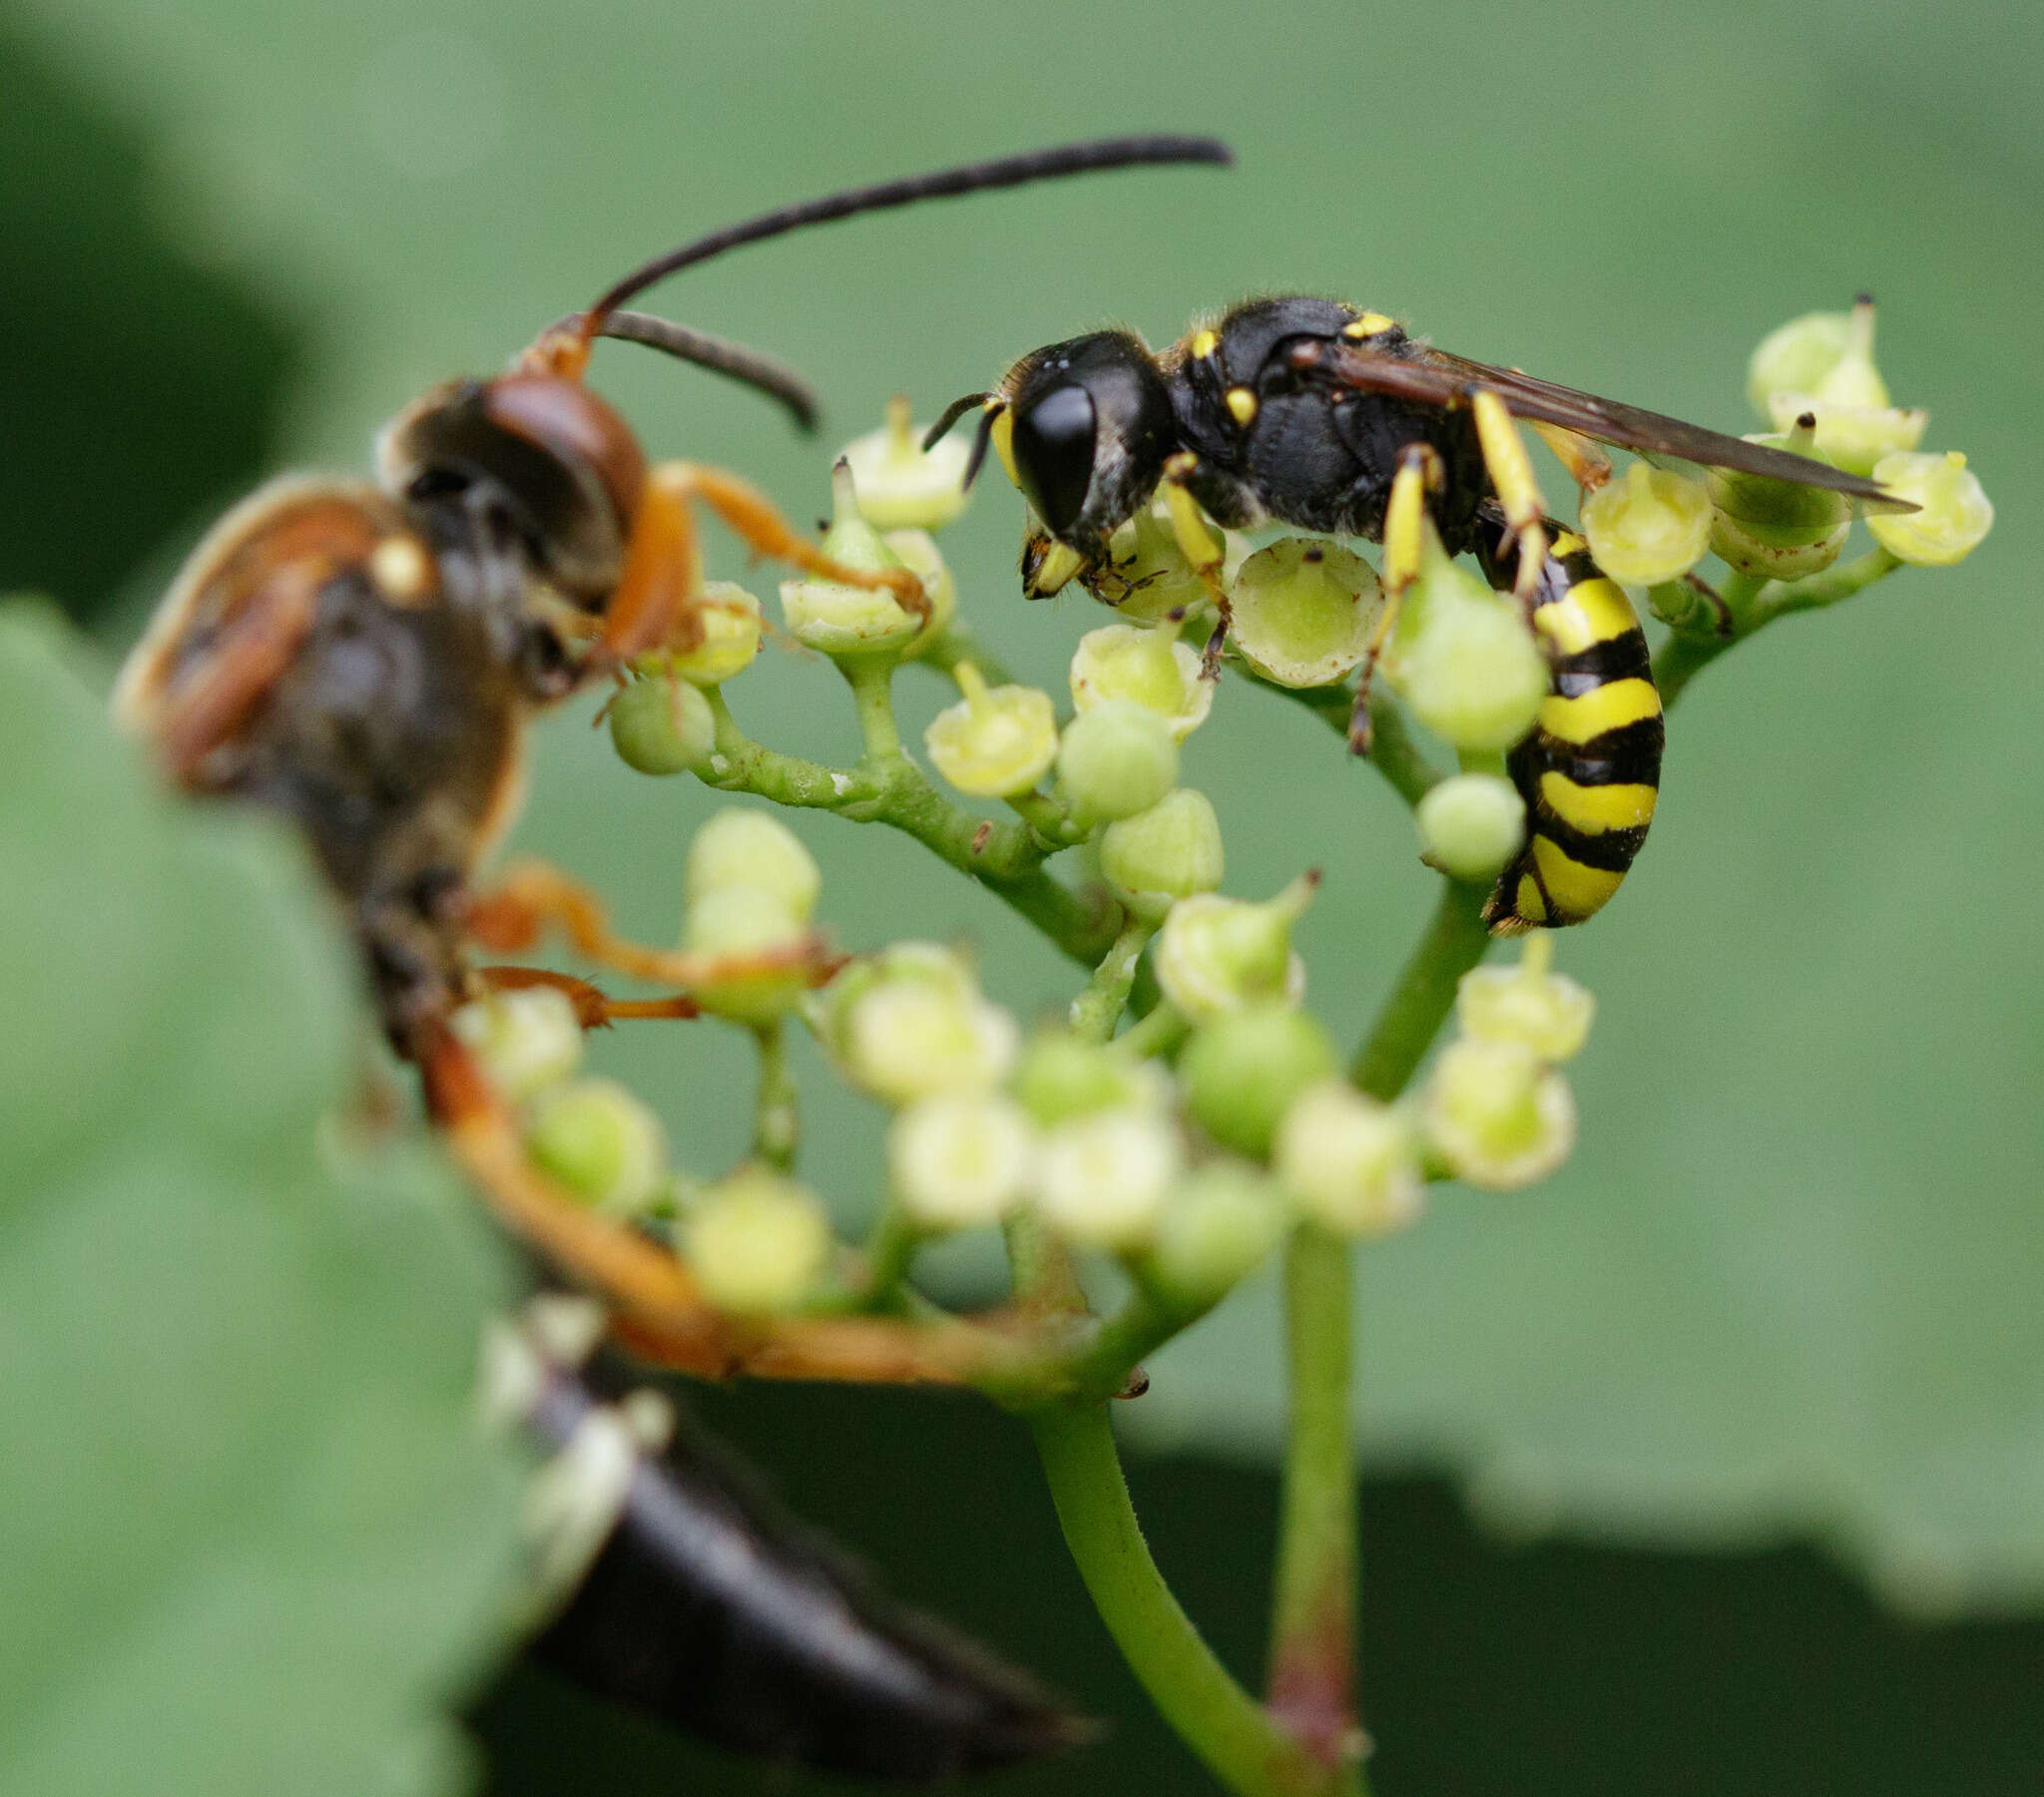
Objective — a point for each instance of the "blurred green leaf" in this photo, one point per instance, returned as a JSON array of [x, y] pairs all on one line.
[[1790, 1282], [254, 1534]]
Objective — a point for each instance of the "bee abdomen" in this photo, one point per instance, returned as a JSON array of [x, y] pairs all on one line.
[[1590, 771]]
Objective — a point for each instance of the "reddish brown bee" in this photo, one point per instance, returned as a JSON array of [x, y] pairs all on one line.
[[364, 659]]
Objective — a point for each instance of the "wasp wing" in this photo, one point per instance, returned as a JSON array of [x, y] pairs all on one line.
[[1427, 377]]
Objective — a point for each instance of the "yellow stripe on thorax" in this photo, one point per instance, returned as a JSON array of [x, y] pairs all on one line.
[[1595, 809], [1593, 611], [1608, 707], [1577, 891]]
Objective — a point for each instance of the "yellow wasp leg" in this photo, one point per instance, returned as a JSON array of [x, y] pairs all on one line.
[[1512, 477], [1406, 528], [1583, 457], [1202, 545]]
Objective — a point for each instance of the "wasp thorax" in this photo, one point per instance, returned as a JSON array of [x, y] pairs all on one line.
[[543, 451]]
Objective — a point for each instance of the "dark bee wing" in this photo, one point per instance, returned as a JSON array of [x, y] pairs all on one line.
[[1430, 377]]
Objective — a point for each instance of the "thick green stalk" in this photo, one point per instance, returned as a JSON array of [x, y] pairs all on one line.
[[1097, 1010], [1312, 1626], [1419, 1004], [1214, 1715]]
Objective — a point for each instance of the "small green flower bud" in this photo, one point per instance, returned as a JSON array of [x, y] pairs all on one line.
[[1470, 825], [1497, 1113], [1302, 611], [925, 963], [1795, 357], [1956, 513], [1151, 667], [1151, 574], [527, 1040], [998, 741], [1168, 852], [1215, 954], [961, 1159], [739, 846], [1349, 1162], [1062, 1076], [909, 1038], [757, 1242], [1653, 525], [1856, 424], [1463, 658], [848, 621], [902, 486], [1219, 1226], [1241, 1072], [919, 552], [732, 629], [1102, 1180], [1528, 1003], [1777, 530], [1115, 759], [600, 1141], [751, 925], [662, 726]]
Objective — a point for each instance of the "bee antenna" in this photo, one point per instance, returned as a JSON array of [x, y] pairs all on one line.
[[952, 413], [970, 178], [758, 370]]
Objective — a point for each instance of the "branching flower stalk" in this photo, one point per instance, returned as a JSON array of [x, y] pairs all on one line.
[[1220, 1129]]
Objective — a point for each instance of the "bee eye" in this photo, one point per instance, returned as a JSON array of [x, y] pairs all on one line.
[[1053, 448]]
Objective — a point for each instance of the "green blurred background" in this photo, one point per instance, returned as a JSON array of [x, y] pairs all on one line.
[[1782, 1306]]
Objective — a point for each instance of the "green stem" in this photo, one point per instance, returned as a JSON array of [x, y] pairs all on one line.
[[1419, 1004], [872, 678], [1097, 1010], [1053, 826], [1312, 1626], [1392, 752], [889, 1250], [1238, 1742], [886, 787], [777, 1118], [1159, 1033]]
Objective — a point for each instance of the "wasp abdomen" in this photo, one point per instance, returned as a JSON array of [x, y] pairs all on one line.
[[1590, 771]]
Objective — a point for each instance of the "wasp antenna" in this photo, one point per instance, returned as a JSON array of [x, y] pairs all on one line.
[[969, 177], [980, 439], [951, 415], [758, 370]]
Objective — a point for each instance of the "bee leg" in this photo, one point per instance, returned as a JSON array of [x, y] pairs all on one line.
[[1589, 467], [512, 916], [1202, 547], [658, 1308], [1405, 525], [594, 1009], [1511, 478], [752, 515]]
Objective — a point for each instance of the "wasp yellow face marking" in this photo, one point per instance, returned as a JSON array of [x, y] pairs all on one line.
[[1048, 565], [1591, 612], [1577, 891], [1204, 344], [1241, 405], [1595, 809], [1003, 434], [1609, 708], [402, 570], [1369, 324]]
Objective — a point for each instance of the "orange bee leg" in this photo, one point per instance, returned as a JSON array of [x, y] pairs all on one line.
[[750, 514], [594, 1009], [660, 1313], [1588, 465], [531, 895], [658, 594]]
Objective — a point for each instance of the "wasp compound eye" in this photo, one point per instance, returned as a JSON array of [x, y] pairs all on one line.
[[1052, 447]]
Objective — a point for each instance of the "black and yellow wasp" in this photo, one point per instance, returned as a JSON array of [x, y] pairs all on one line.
[[1307, 413]]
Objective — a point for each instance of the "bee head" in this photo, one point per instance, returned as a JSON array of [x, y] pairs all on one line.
[[540, 447]]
